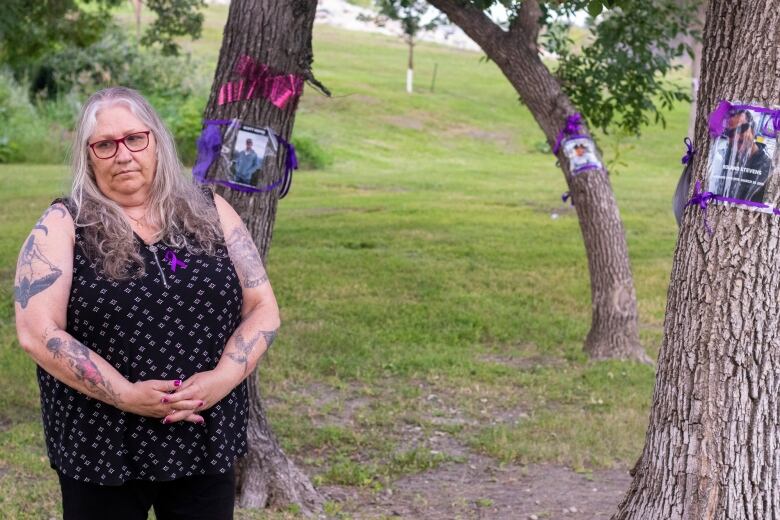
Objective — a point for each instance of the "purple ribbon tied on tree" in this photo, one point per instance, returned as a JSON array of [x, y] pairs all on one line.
[[170, 257], [572, 128], [566, 196], [257, 79], [704, 198], [209, 147], [688, 157], [724, 110]]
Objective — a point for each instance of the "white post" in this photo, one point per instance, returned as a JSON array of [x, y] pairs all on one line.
[[409, 78]]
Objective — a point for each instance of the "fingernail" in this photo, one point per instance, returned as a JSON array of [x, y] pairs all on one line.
[[165, 421], [177, 382], [201, 421], [164, 400], [201, 404]]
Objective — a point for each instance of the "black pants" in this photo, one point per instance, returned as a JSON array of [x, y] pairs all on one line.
[[206, 497]]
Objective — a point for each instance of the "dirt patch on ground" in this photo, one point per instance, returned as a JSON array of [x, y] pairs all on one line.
[[406, 121], [524, 362], [481, 488]]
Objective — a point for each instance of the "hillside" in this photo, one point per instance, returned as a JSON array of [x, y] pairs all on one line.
[[434, 294]]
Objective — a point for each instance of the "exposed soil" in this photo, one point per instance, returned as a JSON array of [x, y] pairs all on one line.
[[471, 485], [481, 488]]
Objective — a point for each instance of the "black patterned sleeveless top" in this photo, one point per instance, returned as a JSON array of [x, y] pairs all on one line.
[[168, 324]]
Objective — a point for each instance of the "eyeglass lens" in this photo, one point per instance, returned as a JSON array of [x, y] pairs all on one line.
[[108, 148]]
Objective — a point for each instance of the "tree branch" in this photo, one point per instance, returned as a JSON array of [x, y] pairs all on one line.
[[475, 23], [524, 29]]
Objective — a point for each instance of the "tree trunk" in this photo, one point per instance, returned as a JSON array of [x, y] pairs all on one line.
[[614, 330], [137, 6], [712, 448], [276, 33], [410, 67]]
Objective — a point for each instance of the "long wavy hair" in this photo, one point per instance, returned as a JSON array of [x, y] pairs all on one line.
[[178, 208]]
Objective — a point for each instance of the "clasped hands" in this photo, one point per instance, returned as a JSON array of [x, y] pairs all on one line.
[[176, 400]]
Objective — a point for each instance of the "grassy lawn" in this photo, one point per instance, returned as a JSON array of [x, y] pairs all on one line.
[[430, 280]]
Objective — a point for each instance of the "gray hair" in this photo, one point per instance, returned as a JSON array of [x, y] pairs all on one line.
[[181, 210]]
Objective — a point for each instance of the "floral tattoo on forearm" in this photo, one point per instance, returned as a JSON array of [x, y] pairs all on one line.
[[83, 367], [246, 259], [34, 272], [244, 348]]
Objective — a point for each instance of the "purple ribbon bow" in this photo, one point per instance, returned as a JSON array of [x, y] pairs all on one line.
[[704, 198], [170, 257], [566, 196], [688, 157], [209, 147], [571, 129]]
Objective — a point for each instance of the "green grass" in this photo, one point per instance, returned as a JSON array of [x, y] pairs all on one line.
[[419, 273]]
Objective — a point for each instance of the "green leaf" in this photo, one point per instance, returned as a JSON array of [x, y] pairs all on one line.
[[594, 8]]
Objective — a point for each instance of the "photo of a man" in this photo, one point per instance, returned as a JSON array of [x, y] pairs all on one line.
[[249, 152], [742, 157], [246, 163], [581, 154]]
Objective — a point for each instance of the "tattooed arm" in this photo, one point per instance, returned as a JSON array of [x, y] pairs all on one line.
[[41, 290], [259, 317], [260, 313]]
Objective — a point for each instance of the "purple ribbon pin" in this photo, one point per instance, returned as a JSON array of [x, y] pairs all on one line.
[[170, 257]]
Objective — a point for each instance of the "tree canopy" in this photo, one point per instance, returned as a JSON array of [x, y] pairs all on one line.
[[618, 76], [34, 34]]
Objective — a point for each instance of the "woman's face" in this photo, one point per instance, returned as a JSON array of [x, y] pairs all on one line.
[[127, 176]]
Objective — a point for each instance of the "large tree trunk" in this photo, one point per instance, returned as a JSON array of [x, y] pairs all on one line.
[[276, 33], [614, 330], [713, 443]]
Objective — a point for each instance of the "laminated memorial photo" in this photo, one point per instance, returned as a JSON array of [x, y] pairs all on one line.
[[742, 156], [582, 156], [250, 148]]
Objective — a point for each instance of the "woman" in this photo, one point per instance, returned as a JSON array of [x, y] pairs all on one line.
[[144, 302]]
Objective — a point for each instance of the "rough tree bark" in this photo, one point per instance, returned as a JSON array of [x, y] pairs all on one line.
[[614, 329], [277, 33], [712, 448]]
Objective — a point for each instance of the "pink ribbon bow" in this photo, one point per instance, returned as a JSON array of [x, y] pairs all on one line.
[[258, 80]]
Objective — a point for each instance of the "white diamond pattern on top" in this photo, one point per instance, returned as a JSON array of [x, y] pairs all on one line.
[[147, 331]]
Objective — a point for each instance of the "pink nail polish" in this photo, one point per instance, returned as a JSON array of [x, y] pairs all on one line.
[[177, 383], [201, 404], [164, 400], [202, 421]]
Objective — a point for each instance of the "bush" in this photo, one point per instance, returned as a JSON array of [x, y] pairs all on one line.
[[184, 119], [25, 135], [113, 60], [311, 156]]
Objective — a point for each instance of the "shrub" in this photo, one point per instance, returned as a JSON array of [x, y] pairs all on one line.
[[311, 156]]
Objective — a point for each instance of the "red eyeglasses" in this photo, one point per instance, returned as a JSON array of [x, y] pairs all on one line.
[[108, 148]]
